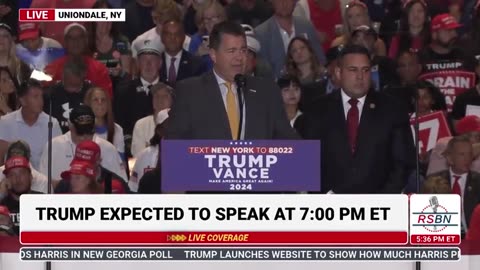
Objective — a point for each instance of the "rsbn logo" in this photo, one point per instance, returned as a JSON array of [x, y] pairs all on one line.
[[434, 217]]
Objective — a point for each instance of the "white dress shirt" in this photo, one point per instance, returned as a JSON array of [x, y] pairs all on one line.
[[224, 90], [168, 62], [286, 38], [146, 84], [146, 160], [143, 131], [346, 105]]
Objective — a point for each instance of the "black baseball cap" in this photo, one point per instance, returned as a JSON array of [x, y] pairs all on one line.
[[6, 27], [83, 119], [18, 148], [333, 53]]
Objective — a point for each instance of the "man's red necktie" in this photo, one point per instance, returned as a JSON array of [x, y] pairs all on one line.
[[456, 185], [352, 123]]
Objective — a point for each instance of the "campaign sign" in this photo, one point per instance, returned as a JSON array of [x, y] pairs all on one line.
[[431, 128], [451, 82], [240, 166]]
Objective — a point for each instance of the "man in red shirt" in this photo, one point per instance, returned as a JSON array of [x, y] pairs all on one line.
[[76, 47]]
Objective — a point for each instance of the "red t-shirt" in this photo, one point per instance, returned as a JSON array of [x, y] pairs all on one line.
[[325, 21], [97, 73]]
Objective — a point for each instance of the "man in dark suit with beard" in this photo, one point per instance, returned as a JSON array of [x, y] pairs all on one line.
[[207, 107], [366, 142]]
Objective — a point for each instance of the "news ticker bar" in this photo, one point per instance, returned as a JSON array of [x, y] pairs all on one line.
[[292, 220], [239, 254]]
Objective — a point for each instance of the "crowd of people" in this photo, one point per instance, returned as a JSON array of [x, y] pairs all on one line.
[[351, 74]]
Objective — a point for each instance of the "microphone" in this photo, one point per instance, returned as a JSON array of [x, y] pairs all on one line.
[[241, 82], [434, 204]]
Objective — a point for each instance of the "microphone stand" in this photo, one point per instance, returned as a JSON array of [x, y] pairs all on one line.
[[48, 264], [240, 81], [418, 265]]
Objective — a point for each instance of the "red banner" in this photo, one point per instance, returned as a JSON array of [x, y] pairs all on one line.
[[451, 82], [215, 238], [432, 127]]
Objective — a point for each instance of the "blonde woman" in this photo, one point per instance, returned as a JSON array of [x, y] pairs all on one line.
[[355, 15], [210, 13], [8, 58]]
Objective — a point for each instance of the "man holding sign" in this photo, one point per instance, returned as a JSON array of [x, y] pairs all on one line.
[[366, 143]]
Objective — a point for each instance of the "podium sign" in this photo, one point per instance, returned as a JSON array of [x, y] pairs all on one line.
[[246, 166]]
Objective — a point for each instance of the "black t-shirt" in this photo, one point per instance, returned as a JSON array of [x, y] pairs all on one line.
[[260, 13], [470, 97], [63, 103], [13, 206], [453, 73]]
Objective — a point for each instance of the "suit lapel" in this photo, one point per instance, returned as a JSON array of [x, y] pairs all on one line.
[[252, 106], [366, 125], [470, 198], [277, 40], [183, 66], [163, 69], [215, 103], [339, 120]]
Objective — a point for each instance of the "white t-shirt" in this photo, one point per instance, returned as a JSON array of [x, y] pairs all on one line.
[[147, 160], [142, 133], [39, 180], [63, 151], [13, 127], [118, 140], [39, 59], [154, 36]]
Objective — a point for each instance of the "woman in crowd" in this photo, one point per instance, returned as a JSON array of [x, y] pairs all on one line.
[[82, 178], [8, 58], [429, 99], [355, 15], [210, 13], [144, 129], [109, 46], [8, 87], [302, 62], [414, 32], [149, 158], [291, 93], [105, 127]]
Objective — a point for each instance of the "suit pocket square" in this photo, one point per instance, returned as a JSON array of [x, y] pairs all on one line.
[[252, 90]]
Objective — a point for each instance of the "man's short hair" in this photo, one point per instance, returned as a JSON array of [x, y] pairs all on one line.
[[226, 27], [27, 85], [455, 140], [353, 49]]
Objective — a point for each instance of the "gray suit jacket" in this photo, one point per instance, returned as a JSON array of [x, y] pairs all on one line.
[[268, 34], [198, 111]]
